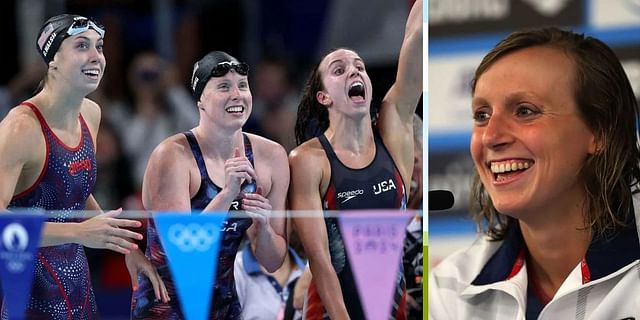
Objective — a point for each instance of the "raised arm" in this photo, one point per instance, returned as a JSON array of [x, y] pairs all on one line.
[[304, 199], [404, 94], [395, 123]]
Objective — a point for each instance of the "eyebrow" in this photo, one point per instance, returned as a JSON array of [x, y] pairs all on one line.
[[342, 60], [87, 38], [221, 80], [478, 101], [511, 99]]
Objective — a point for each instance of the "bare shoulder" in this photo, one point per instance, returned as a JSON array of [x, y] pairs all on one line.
[[167, 176], [18, 129], [174, 149], [91, 112], [21, 125], [168, 161], [267, 149], [21, 116], [308, 157], [310, 175]]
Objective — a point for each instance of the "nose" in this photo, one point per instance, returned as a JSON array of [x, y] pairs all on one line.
[[235, 92], [497, 132], [353, 71], [95, 55]]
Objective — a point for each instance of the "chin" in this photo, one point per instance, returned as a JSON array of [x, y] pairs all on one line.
[[90, 87], [511, 208], [360, 111], [235, 124]]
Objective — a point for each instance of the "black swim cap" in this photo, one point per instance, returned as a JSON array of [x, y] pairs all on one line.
[[59, 27], [214, 64]]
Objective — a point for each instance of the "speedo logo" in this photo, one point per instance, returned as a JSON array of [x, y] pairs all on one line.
[[348, 195]]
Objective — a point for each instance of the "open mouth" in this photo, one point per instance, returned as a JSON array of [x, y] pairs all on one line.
[[356, 92], [92, 73], [504, 170], [234, 109]]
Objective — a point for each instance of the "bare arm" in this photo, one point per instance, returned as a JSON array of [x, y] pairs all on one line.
[[304, 194], [19, 168], [165, 186], [135, 260], [103, 231], [16, 131], [399, 104], [271, 240], [404, 94]]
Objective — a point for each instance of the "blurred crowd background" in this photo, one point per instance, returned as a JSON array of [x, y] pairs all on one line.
[[150, 47]]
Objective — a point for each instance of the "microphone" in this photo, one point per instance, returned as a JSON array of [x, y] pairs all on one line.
[[440, 199]]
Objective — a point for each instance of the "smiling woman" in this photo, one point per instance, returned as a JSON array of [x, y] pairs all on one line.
[[56, 171], [555, 149], [214, 167]]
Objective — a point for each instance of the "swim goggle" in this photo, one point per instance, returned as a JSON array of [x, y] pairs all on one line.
[[82, 24], [223, 68]]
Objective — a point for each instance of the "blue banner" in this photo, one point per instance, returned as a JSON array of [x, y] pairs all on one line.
[[19, 240], [191, 243]]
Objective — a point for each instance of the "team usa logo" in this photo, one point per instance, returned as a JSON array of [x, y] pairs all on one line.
[[384, 186]]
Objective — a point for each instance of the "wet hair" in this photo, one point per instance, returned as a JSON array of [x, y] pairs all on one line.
[[312, 117], [607, 104]]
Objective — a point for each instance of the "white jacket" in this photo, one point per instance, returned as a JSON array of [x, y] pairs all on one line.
[[470, 284]]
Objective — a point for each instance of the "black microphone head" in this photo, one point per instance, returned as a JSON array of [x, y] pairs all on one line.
[[440, 200]]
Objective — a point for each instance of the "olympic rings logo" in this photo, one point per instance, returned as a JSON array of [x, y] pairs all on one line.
[[193, 236]]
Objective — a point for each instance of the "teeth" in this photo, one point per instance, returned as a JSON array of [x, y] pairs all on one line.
[[509, 166], [357, 83], [92, 72], [235, 109]]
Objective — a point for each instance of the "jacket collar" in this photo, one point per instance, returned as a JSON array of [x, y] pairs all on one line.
[[604, 256]]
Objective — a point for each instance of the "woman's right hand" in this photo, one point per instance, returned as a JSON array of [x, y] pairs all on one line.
[[237, 170], [105, 231]]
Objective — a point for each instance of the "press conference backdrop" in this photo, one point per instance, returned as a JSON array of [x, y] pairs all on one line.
[[461, 32]]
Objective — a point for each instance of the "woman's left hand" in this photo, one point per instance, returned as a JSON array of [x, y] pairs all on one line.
[[257, 207], [137, 262]]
